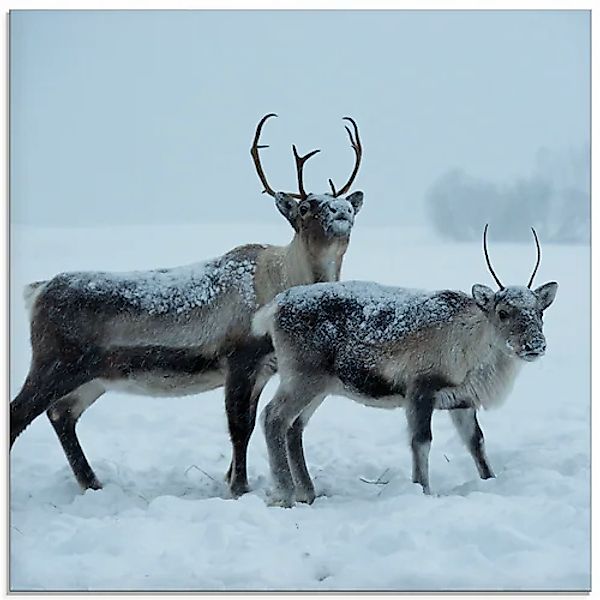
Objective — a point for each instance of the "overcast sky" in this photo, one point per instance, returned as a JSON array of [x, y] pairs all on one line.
[[148, 116]]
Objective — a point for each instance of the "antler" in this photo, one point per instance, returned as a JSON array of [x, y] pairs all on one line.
[[487, 258], [300, 160], [256, 158], [539, 257], [357, 147]]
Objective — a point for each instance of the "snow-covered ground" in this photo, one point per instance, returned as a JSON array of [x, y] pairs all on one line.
[[164, 520]]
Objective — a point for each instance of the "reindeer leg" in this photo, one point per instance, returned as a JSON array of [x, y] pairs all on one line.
[[277, 418], [305, 490], [241, 414], [465, 421], [43, 386], [251, 421], [238, 391], [244, 380], [64, 415], [418, 414]]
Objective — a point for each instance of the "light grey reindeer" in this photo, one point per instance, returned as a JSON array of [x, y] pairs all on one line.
[[178, 331], [391, 347]]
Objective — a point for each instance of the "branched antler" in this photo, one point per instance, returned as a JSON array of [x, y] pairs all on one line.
[[300, 160], [256, 158]]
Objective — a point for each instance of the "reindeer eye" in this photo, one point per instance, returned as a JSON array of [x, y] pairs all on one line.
[[502, 315], [303, 209]]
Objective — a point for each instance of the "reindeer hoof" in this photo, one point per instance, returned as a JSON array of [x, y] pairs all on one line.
[[305, 496], [92, 484], [424, 487], [486, 473], [281, 502], [238, 490]]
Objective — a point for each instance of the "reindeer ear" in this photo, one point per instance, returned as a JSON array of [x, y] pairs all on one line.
[[483, 296], [546, 294], [288, 207], [356, 199]]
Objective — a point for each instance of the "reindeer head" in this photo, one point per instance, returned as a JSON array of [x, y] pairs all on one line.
[[317, 218], [516, 312]]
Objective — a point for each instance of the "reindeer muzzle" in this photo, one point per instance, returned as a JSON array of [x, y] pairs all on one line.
[[341, 217], [532, 350]]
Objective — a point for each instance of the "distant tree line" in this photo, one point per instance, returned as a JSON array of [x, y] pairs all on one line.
[[555, 199]]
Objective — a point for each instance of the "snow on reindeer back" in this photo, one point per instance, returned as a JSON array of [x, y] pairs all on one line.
[[373, 312], [176, 290]]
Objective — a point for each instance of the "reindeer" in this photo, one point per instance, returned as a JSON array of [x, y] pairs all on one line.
[[178, 331], [393, 347]]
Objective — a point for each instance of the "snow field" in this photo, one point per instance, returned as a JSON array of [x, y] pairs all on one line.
[[164, 519]]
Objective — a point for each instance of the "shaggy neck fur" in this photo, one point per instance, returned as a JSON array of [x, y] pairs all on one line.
[[489, 369], [282, 267], [317, 263]]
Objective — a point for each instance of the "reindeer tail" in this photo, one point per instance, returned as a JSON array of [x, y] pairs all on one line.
[[262, 322], [31, 292]]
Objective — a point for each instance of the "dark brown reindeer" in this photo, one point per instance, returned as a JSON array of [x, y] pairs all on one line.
[[178, 331], [393, 347]]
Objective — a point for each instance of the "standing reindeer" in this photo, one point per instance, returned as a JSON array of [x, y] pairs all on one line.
[[178, 331], [392, 347]]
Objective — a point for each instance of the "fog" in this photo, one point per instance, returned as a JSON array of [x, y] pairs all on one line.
[[554, 198], [123, 117]]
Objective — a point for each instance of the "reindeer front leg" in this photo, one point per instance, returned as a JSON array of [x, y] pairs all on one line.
[[465, 421]]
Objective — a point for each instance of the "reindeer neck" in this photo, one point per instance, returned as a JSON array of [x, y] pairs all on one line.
[[309, 264], [492, 370], [487, 347], [282, 267]]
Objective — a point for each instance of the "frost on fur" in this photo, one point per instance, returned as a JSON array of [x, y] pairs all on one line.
[[396, 347], [181, 330]]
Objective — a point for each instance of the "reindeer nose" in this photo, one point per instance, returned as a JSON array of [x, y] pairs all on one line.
[[340, 209], [537, 346]]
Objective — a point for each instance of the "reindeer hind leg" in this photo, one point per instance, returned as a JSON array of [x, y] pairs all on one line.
[[305, 489], [63, 416], [44, 386], [418, 415], [242, 431], [278, 417], [245, 379]]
